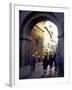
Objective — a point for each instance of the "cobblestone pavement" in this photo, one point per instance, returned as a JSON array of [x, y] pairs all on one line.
[[39, 72]]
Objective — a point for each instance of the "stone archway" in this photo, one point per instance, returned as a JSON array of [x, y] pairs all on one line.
[[26, 28]]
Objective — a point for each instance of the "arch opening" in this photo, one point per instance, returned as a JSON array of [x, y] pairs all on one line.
[[44, 38]]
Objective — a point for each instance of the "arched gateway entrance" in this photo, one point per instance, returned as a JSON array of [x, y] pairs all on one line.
[[44, 40], [26, 31]]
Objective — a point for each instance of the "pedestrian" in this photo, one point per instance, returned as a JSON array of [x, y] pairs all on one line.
[[54, 61], [50, 62], [45, 64], [33, 62], [58, 61]]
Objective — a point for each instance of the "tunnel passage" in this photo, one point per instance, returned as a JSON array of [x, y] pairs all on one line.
[[44, 39]]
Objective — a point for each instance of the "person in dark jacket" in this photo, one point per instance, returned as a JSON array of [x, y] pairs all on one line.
[[45, 64], [50, 62], [54, 61], [58, 60]]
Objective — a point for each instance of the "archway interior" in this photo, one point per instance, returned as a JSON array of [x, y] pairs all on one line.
[[44, 38]]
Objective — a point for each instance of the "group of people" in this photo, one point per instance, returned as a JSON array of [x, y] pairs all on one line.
[[56, 59], [50, 60]]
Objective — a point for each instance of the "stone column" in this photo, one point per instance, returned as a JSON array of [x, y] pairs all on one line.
[[24, 50], [60, 48]]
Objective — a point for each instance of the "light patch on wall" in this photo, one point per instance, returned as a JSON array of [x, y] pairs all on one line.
[[53, 30]]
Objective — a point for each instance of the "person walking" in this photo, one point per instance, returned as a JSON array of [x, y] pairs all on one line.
[[54, 61], [50, 62], [33, 62], [45, 64], [58, 61]]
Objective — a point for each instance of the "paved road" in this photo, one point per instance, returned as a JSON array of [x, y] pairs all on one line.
[[38, 73]]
